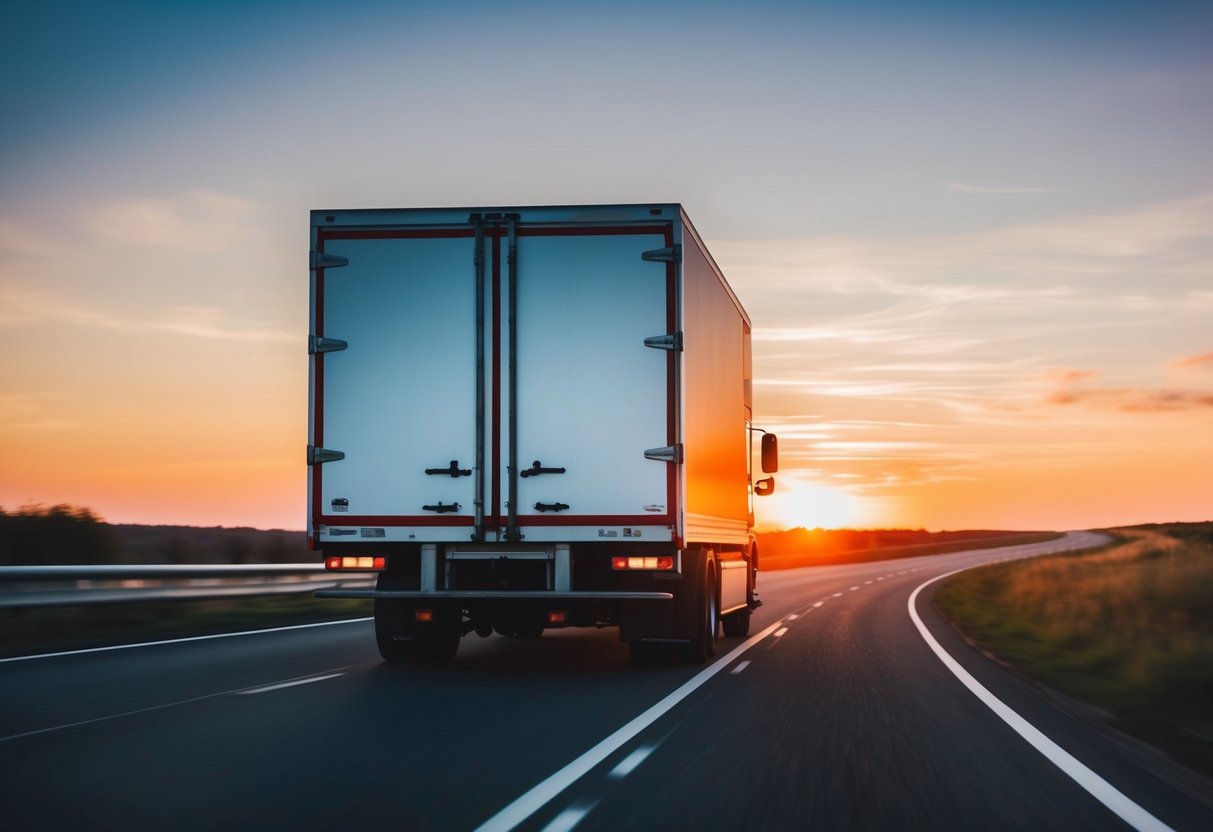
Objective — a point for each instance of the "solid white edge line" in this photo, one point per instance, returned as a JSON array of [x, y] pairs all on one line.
[[1100, 789], [291, 684], [544, 792], [183, 640]]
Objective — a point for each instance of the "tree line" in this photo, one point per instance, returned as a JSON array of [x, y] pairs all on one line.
[[64, 534]]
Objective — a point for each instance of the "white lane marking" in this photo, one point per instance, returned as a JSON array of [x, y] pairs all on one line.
[[291, 684], [630, 762], [183, 640], [569, 818], [854, 588], [136, 712], [780, 631], [818, 604], [740, 667], [543, 793], [836, 595], [865, 583], [880, 579], [1100, 789], [792, 617]]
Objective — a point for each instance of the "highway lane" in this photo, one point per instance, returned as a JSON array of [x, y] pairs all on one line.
[[843, 720]]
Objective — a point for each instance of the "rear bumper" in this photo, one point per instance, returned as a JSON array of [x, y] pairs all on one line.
[[484, 595]]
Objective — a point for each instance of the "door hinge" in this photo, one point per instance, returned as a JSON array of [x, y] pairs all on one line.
[[551, 506], [665, 342], [670, 453], [317, 343], [321, 260], [669, 254], [318, 456]]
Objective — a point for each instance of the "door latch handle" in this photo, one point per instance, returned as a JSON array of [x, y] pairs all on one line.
[[551, 506], [442, 508], [454, 470], [536, 469]]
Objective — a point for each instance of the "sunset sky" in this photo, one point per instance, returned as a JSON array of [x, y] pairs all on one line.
[[975, 239]]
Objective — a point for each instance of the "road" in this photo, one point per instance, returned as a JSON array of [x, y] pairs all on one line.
[[835, 714]]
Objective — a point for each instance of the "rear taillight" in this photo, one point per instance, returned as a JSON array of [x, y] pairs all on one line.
[[647, 562], [355, 562]]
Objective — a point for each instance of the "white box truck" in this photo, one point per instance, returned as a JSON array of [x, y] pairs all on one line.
[[528, 418]]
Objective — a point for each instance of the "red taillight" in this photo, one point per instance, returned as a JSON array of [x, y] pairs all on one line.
[[558, 617], [647, 562], [423, 616], [355, 562]]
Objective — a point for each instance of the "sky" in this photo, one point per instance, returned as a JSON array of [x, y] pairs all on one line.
[[975, 239]]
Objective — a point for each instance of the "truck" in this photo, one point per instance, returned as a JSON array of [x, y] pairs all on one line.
[[528, 418]]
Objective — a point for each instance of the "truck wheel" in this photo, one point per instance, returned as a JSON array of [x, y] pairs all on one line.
[[737, 623], [394, 630], [703, 644]]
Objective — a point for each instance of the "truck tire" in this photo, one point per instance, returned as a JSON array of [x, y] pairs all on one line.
[[394, 630], [400, 639], [703, 644], [737, 623]]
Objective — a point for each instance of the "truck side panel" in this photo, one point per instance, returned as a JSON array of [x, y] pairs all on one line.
[[714, 407]]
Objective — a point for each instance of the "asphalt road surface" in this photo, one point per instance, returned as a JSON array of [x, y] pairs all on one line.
[[836, 713]]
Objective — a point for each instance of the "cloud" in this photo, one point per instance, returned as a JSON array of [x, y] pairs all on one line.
[[202, 322], [1075, 391], [194, 222], [1203, 361], [988, 189], [21, 307]]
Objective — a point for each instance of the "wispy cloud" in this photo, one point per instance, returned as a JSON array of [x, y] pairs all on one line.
[[1203, 361], [966, 188], [198, 221], [21, 307], [1077, 388]]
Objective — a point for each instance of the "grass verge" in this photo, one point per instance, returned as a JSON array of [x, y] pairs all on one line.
[[1128, 628], [52, 629]]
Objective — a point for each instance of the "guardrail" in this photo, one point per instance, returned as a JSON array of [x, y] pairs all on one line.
[[23, 587]]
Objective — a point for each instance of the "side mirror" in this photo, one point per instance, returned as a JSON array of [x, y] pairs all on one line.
[[765, 487], [770, 454]]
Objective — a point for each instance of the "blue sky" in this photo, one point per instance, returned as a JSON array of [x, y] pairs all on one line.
[[973, 237]]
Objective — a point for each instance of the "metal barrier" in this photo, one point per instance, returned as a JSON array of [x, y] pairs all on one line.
[[24, 587]]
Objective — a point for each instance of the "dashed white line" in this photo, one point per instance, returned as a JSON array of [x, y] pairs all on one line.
[[569, 818], [818, 604], [544, 792], [290, 684], [792, 617], [836, 595], [854, 588], [1096, 786], [740, 667], [630, 762], [780, 631]]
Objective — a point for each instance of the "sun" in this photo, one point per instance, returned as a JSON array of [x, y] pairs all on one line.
[[805, 504]]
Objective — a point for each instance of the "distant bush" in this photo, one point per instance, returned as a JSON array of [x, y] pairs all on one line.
[[36, 535]]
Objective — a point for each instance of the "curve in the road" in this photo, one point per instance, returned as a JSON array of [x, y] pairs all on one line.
[[1099, 788]]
